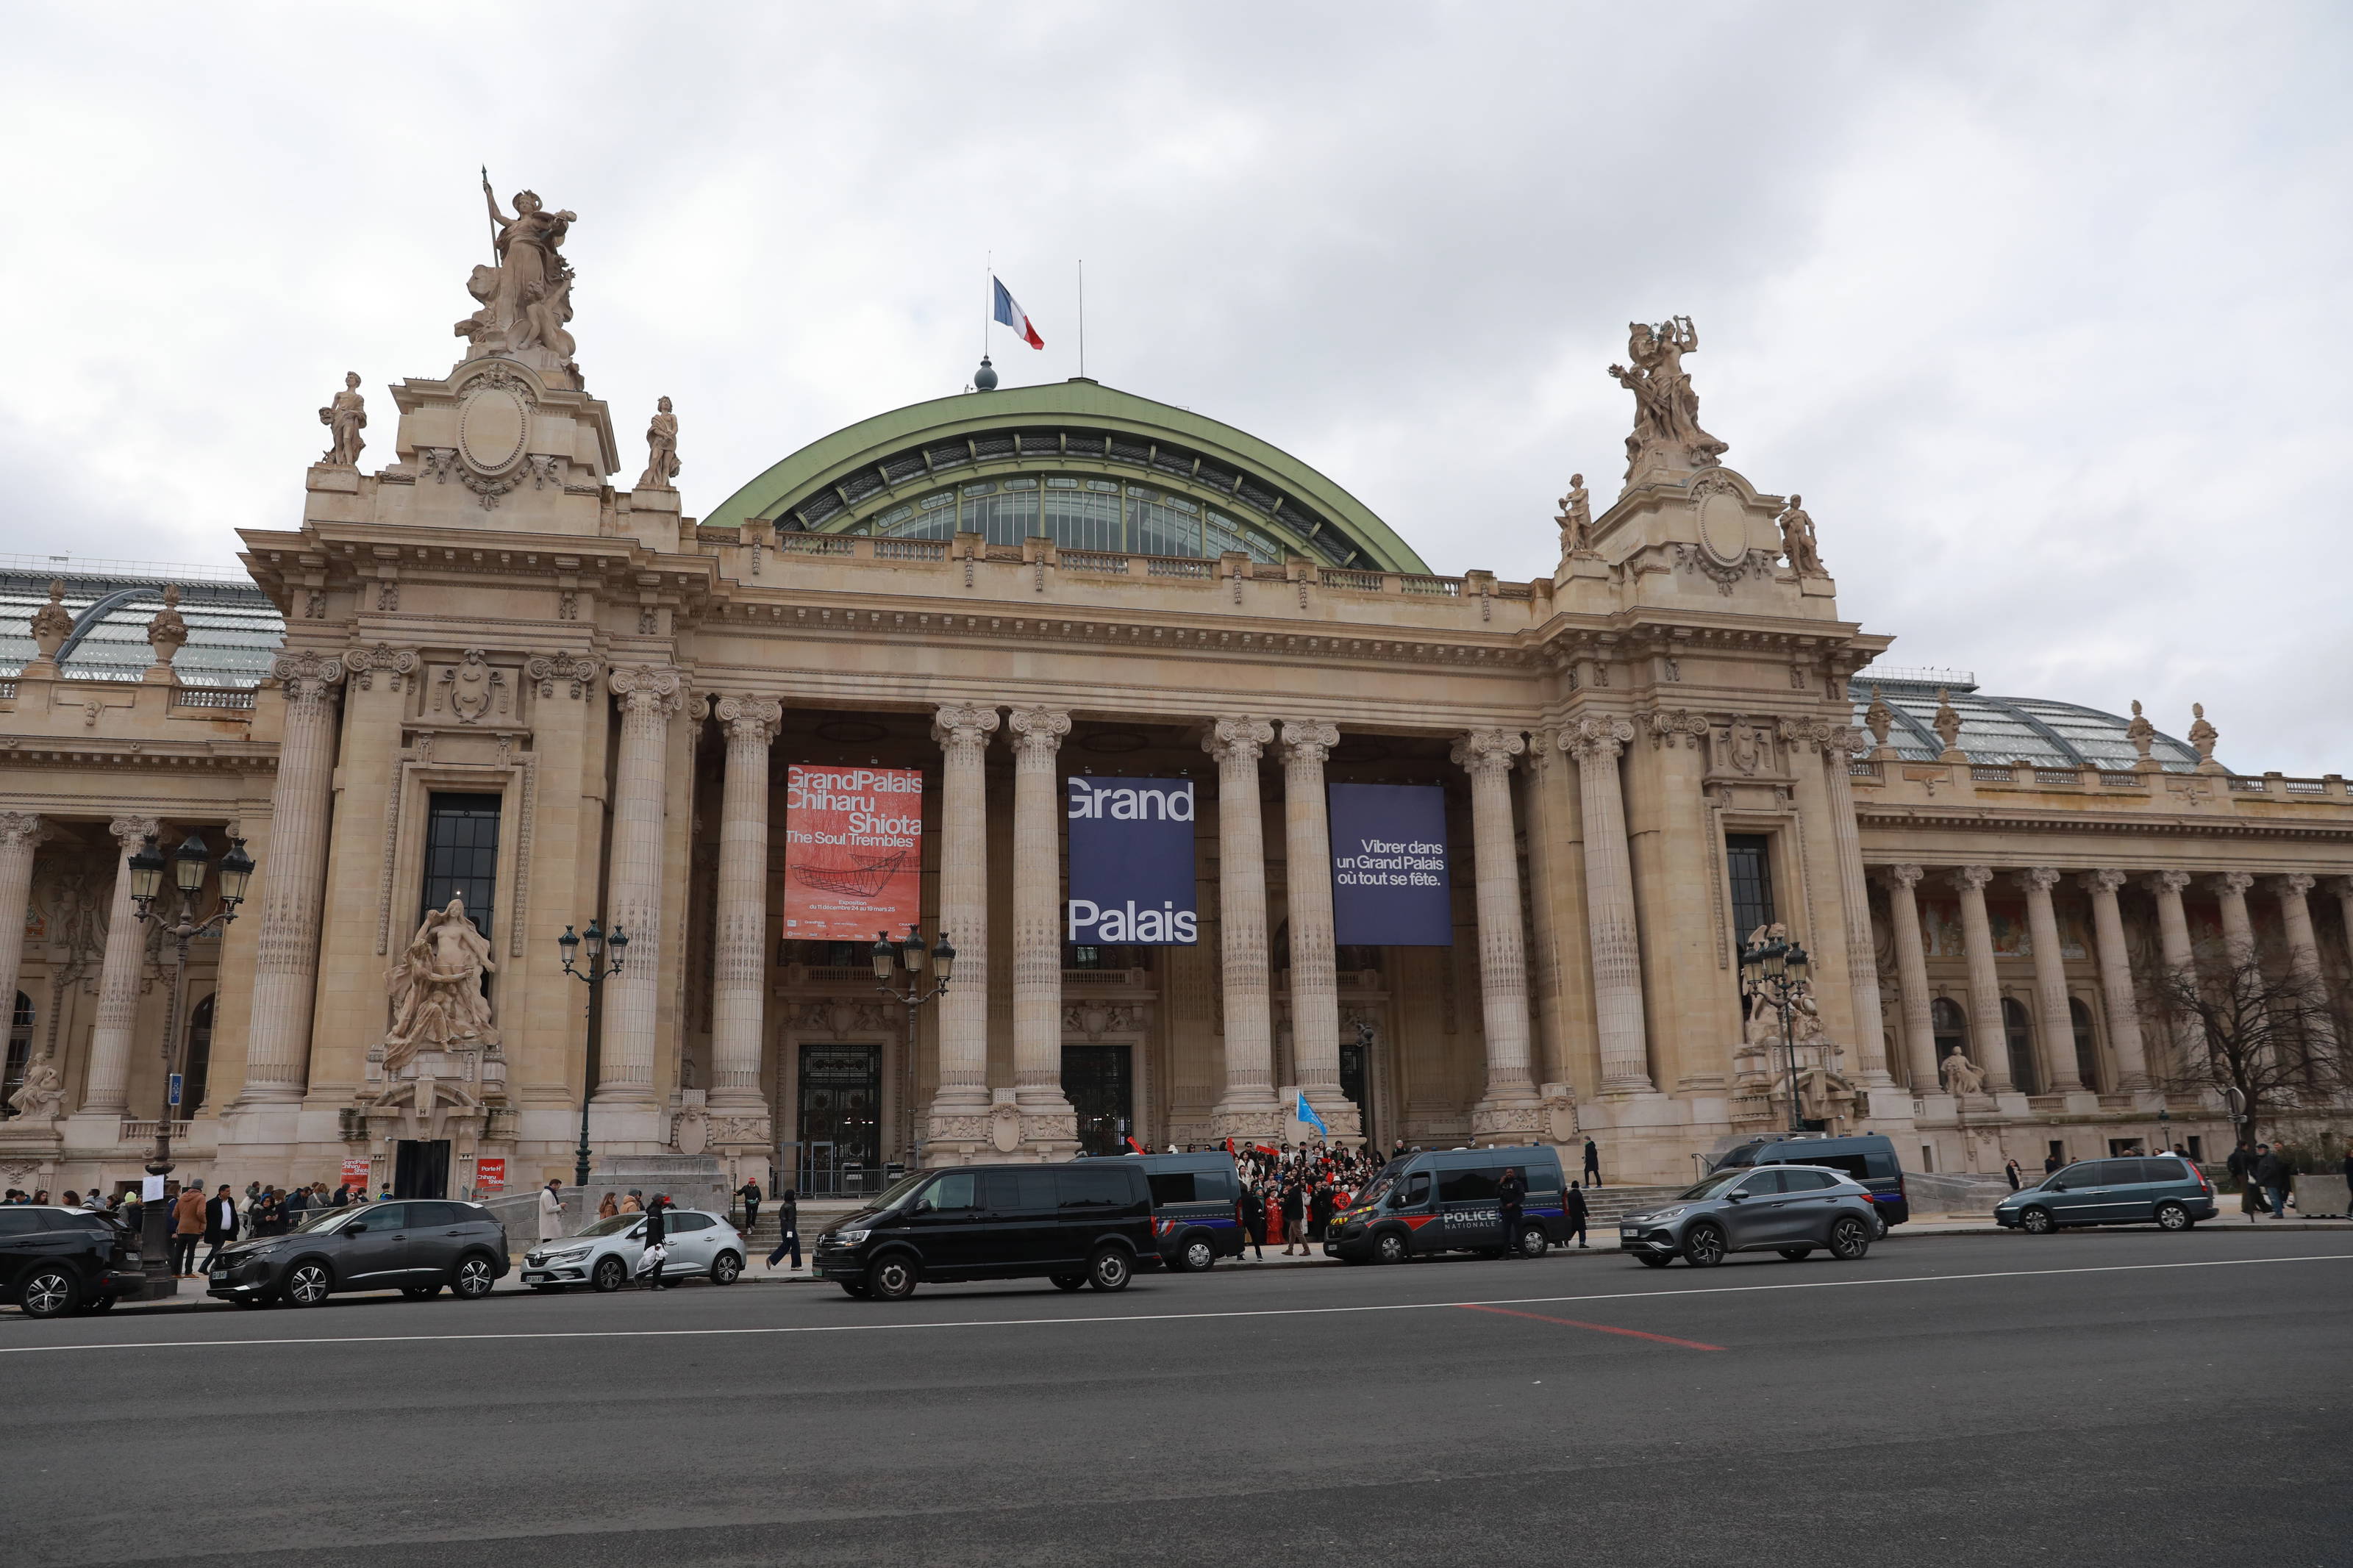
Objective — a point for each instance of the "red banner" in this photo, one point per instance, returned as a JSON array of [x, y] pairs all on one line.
[[854, 852], [355, 1174], [489, 1177]]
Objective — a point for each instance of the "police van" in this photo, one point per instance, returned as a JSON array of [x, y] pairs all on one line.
[[1868, 1157], [1446, 1200], [1193, 1199]]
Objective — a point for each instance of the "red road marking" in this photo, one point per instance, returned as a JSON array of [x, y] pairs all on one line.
[[1597, 1328]]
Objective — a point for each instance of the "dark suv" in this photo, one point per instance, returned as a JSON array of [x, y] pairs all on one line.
[[413, 1245], [1193, 1199], [54, 1261], [1084, 1223]]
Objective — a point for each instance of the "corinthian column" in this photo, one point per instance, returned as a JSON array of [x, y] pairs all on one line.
[[2345, 906], [2173, 944], [1912, 977], [1037, 734], [1987, 1037], [963, 733], [1315, 983], [2295, 919], [1609, 904], [1248, 1109], [1854, 895], [293, 882], [20, 831], [2057, 1024], [108, 1087], [2238, 929], [1507, 1112], [2115, 979], [740, 959], [649, 697]]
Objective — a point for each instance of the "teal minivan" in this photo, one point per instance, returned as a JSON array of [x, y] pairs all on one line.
[[2166, 1191]]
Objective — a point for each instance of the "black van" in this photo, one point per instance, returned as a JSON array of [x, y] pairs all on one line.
[[1193, 1199], [1445, 1201], [1083, 1223], [1867, 1157]]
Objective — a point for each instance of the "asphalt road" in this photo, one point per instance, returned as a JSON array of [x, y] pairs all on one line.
[[2119, 1397]]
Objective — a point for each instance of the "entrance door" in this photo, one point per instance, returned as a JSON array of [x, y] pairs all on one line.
[[1355, 1070], [841, 1107], [421, 1169], [1096, 1081]]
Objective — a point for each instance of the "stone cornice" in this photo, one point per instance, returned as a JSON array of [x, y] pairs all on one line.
[[1978, 819]]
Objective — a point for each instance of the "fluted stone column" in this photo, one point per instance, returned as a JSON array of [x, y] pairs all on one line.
[[650, 696], [2345, 907], [20, 833], [1048, 1121], [1508, 1111], [1248, 1109], [2115, 979], [1989, 1041], [740, 953], [2238, 927], [1912, 978], [108, 1085], [2173, 945], [1844, 742], [2055, 1023], [1609, 904], [962, 1097], [2296, 919], [1315, 981], [293, 882]]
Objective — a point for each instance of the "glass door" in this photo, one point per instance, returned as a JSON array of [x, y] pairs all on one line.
[[1097, 1082]]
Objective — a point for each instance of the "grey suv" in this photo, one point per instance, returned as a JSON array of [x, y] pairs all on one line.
[[415, 1246], [1789, 1209]]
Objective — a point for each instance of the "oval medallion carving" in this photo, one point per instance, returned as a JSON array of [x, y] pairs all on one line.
[[493, 424], [1723, 525]]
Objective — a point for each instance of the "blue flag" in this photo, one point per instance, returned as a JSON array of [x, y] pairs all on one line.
[[1306, 1114]]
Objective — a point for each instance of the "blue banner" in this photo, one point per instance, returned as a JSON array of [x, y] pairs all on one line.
[[1389, 883], [1131, 860]]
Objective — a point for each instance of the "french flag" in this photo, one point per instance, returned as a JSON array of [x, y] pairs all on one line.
[[1010, 312]]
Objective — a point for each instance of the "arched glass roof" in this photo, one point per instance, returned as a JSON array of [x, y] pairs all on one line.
[[233, 629], [1998, 729], [1083, 464]]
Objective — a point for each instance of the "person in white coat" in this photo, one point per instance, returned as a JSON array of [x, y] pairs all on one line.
[[551, 1210]]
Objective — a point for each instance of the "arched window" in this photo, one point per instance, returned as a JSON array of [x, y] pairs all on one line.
[[198, 1060], [20, 1053], [1950, 1026], [2087, 1050], [2020, 1034]]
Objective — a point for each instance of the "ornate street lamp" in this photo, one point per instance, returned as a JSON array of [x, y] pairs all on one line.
[[597, 971], [189, 864], [899, 974], [1773, 973]]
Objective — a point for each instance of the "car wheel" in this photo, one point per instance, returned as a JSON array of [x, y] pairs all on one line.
[[725, 1269], [421, 1292], [1653, 1259], [890, 1278], [2036, 1222], [2173, 1217], [854, 1288], [1797, 1254], [49, 1293], [1069, 1281], [1391, 1248], [1704, 1245], [1533, 1242], [1850, 1239], [1110, 1269], [307, 1284], [472, 1278], [1199, 1256], [609, 1275]]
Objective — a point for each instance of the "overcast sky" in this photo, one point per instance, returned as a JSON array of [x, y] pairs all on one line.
[[2042, 308]]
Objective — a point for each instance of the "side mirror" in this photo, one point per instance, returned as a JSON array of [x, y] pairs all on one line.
[[1735, 1196], [354, 1228]]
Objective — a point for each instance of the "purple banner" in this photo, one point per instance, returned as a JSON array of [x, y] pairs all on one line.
[[1389, 867], [1130, 844]]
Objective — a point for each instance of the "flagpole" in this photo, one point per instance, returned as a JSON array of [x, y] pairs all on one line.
[[988, 299], [1082, 318]]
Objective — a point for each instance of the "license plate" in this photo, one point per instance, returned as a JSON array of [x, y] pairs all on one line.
[[1629, 1235]]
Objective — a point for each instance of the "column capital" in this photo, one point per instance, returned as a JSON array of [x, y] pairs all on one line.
[[1237, 740], [2038, 879], [1905, 877], [2234, 882], [2297, 883], [1593, 738], [749, 718], [132, 831], [960, 725], [647, 689], [363, 663], [1483, 752], [308, 678], [2108, 882], [1309, 740], [19, 829], [1036, 731], [1846, 740], [1972, 879], [2173, 882]]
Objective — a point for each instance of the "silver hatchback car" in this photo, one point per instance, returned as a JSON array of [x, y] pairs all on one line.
[[1789, 1209]]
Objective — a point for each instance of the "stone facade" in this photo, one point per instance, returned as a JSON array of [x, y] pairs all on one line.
[[619, 689]]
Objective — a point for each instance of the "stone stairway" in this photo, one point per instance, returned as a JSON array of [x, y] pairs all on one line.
[[815, 1214], [1604, 1206]]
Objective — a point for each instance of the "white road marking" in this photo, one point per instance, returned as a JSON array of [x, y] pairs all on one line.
[[1173, 1317]]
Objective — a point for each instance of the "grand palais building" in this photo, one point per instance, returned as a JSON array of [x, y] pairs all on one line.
[[476, 667]]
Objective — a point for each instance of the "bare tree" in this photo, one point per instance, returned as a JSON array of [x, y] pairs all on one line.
[[2270, 1037]]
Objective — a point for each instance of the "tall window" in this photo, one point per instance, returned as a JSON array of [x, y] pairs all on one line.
[[198, 1065], [2087, 1050], [1950, 1026], [20, 1053], [461, 856], [1750, 858], [2019, 1034]]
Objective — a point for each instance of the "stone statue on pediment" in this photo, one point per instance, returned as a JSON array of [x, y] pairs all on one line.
[[661, 449], [1948, 725], [2142, 736], [526, 298], [1576, 519], [436, 989], [1798, 540], [1667, 433], [344, 416], [42, 1096], [1961, 1075]]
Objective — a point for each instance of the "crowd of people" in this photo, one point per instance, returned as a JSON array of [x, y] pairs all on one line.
[[197, 1220], [1290, 1194]]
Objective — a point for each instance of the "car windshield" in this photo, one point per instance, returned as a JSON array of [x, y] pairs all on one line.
[[1379, 1189], [326, 1220], [896, 1194], [1714, 1187], [613, 1223]]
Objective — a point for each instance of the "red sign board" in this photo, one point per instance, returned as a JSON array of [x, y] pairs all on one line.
[[854, 852], [356, 1173], [489, 1177]]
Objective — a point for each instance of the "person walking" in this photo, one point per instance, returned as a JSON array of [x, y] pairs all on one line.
[[657, 1252], [1319, 1212], [295, 1206], [789, 1229], [220, 1224], [635, 1203], [2349, 1181], [1592, 1164], [2241, 1166], [1253, 1217], [750, 1193], [1576, 1211], [551, 1210], [188, 1229], [2275, 1176], [2010, 1169], [2054, 1162], [610, 1208], [1511, 1199], [1294, 1215]]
